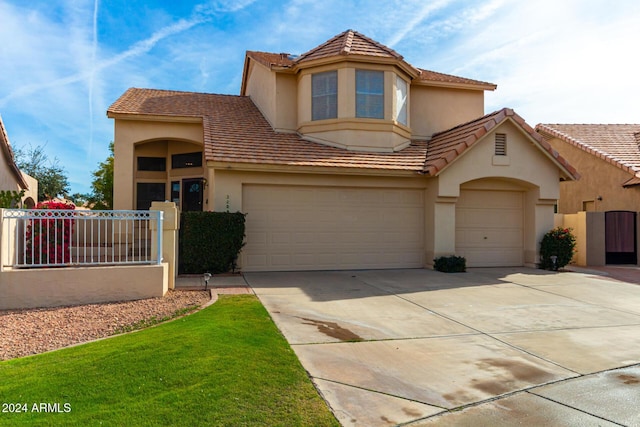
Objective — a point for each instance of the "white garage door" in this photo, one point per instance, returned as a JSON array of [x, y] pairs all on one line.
[[489, 231], [325, 228]]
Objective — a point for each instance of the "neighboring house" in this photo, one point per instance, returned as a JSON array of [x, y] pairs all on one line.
[[11, 177], [608, 155], [345, 157]]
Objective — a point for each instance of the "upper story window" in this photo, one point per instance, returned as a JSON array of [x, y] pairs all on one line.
[[156, 164], [186, 160], [324, 95], [401, 101], [370, 94]]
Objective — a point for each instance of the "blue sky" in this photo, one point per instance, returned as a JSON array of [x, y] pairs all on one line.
[[65, 61]]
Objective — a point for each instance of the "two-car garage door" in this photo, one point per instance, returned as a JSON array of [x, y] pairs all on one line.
[[326, 228]]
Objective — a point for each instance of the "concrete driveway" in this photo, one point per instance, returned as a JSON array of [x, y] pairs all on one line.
[[494, 347]]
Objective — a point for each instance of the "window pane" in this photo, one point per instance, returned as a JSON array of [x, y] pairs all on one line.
[[148, 192], [186, 160], [401, 101], [370, 94], [324, 95], [152, 164]]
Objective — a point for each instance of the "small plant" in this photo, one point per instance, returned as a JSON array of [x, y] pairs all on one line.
[[450, 264], [557, 248]]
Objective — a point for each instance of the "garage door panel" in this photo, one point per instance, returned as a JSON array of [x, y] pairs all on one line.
[[489, 228], [303, 228]]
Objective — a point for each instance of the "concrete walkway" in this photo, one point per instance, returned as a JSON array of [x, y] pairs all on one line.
[[494, 347]]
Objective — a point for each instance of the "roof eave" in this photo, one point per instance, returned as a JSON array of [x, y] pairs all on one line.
[[154, 117], [455, 85], [293, 168]]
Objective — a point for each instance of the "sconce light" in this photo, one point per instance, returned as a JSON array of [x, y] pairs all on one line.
[[599, 198]]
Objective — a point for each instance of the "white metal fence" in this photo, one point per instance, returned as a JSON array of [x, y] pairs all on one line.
[[52, 237]]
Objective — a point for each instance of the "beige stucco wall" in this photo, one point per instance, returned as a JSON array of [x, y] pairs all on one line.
[[150, 138], [435, 109], [589, 230], [29, 288], [599, 179]]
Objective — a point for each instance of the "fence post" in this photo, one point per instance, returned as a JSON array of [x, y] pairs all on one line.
[[170, 226]]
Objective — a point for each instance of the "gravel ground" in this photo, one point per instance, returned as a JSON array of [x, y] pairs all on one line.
[[33, 331]]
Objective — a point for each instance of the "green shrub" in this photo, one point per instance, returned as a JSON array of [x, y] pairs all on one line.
[[210, 241], [559, 243], [450, 264]]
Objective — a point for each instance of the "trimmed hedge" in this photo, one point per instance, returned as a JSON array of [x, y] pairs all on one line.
[[450, 264], [210, 241]]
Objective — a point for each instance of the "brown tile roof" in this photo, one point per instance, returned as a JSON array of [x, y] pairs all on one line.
[[617, 144], [9, 157], [236, 132], [446, 146], [271, 59], [435, 77], [353, 43], [349, 43]]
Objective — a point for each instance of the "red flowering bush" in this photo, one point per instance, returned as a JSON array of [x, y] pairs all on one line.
[[49, 237], [557, 248]]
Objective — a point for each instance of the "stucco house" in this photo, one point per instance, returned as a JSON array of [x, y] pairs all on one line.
[[608, 155], [345, 157], [11, 177]]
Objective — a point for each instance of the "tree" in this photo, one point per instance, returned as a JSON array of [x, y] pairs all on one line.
[[101, 196], [52, 178]]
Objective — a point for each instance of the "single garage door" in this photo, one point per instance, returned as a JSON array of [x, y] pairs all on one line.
[[326, 228], [489, 228]]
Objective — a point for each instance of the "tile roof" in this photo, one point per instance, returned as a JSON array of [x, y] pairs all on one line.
[[9, 157], [446, 146], [353, 43], [349, 43], [236, 132], [617, 144]]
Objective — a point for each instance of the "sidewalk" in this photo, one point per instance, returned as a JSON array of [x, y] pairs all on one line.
[[223, 284]]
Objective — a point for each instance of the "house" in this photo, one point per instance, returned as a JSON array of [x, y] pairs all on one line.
[[11, 177], [609, 190], [345, 157]]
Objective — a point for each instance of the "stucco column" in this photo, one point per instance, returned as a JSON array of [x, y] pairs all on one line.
[[444, 232], [170, 227]]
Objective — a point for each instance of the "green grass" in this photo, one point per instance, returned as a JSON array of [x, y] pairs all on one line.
[[226, 365]]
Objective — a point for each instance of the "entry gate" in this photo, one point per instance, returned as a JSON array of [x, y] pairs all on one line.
[[620, 237]]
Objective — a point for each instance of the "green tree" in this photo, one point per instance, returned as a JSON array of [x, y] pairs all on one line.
[[52, 178], [101, 196]]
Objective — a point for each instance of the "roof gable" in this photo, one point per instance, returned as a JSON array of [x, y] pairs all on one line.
[[617, 144], [9, 157], [445, 147]]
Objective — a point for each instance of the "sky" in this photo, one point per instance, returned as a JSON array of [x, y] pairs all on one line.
[[64, 62]]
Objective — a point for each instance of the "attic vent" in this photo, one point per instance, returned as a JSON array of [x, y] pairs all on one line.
[[501, 144]]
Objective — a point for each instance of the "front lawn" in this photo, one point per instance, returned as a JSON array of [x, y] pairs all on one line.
[[226, 365]]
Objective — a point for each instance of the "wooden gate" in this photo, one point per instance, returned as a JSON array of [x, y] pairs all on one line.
[[620, 237]]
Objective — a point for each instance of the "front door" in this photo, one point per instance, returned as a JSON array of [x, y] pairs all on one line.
[[620, 237], [192, 192]]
